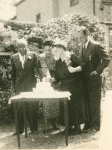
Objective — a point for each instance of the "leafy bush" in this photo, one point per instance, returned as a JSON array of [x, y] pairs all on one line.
[[6, 111]]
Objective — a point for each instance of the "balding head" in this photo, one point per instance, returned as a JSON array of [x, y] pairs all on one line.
[[22, 46], [21, 42]]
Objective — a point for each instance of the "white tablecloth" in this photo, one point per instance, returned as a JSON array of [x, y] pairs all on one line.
[[32, 95], [50, 101]]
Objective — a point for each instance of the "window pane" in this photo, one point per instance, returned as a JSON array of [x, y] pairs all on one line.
[[73, 2], [38, 18]]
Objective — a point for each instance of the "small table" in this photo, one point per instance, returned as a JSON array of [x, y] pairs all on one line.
[[32, 97]]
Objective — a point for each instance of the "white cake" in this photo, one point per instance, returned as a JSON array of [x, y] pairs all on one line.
[[43, 87]]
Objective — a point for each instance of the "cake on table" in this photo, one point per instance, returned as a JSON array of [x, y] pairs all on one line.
[[51, 107], [44, 87]]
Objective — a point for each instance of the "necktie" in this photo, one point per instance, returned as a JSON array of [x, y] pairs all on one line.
[[23, 60], [84, 48]]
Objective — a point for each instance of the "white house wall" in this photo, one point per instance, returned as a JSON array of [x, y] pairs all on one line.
[[28, 10], [83, 7]]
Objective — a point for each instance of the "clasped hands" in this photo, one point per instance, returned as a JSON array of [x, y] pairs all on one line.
[[94, 73], [77, 69], [71, 69]]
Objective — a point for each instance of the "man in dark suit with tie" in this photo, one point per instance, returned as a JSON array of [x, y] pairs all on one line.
[[24, 64], [95, 59]]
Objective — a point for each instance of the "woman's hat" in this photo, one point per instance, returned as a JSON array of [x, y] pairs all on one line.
[[35, 40], [60, 43], [47, 42]]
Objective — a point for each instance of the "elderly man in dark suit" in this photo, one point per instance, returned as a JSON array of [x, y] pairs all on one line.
[[95, 59], [24, 64]]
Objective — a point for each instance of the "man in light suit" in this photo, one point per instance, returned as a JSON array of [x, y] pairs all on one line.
[[24, 64], [95, 59]]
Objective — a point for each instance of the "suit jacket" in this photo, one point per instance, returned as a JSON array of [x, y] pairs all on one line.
[[95, 58], [25, 79]]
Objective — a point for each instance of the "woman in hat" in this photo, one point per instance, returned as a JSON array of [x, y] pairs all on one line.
[[35, 44], [48, 60], [68, 72], [48, 67]]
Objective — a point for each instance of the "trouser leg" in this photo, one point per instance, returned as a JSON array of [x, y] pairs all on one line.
[[95, 110], [33, 113], [53, 122], [94, 101], [20, 117]]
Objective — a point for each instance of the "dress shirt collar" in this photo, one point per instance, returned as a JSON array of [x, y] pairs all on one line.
[[21, 56], [86, 44], [22, 59]]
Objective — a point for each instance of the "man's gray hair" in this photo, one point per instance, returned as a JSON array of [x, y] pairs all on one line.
[[21, 42]]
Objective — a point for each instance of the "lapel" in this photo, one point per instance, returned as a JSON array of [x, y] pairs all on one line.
[[88, 52], [18, 62], [80, 51], [27, 58]]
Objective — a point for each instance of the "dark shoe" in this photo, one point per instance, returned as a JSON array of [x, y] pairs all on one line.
[[70, 131], [55, 128], [77, 132], [34, 131], [14, 134], [93, 130], [86, 129]]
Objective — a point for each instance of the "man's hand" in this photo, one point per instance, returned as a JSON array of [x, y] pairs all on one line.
[[38, 80], [13, 91], [52, 80], [94, 73], [71, 69]]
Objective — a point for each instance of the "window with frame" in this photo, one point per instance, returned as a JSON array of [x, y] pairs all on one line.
[[107, 2], [38, 18], [73, 2]]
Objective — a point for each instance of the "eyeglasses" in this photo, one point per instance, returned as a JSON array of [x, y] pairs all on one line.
[[34, 44]]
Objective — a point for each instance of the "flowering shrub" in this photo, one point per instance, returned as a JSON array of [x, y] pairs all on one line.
[[106, 81], [6, 111]]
